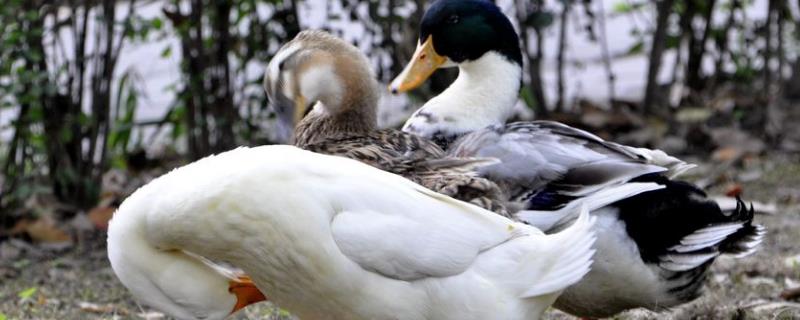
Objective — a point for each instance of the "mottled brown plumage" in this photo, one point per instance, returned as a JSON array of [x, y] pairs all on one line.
[[343, 120]]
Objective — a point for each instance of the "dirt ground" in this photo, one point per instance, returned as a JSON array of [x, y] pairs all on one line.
[[39, 282]]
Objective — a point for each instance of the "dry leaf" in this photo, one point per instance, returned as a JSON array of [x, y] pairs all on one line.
[[45, 230], [726, 154], [99, 308], [791, 294], [150, 315], [20, 227], [101, 215], [733, 190]]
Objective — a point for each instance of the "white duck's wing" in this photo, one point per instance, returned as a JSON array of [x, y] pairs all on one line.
[[412, 233], [550, 164]]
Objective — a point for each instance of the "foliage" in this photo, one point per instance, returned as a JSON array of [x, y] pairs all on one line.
[[62, 92]]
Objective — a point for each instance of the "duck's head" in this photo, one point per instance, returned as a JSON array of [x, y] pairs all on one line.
[[457, 32], [321, 74]]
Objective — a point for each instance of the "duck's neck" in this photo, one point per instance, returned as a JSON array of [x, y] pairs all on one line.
[[320, 124], [484, 94], [158, 274]]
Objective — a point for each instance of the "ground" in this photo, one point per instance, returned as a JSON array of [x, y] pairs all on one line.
[[40, 282]]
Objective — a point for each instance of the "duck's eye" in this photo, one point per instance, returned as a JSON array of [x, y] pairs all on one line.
[[452, 19]]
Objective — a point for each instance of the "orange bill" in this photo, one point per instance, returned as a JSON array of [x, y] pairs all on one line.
[[424, 62], [246, 293]]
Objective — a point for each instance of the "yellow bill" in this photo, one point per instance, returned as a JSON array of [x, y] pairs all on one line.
[[424, 62]]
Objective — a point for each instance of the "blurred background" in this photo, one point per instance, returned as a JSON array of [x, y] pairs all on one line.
[[98, 97]]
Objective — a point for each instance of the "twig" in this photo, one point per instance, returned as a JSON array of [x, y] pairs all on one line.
[[697, 46], [601, 20], [723, 44], [534, 70], [791, 293], [767, 73], [664, 8], [562, 43]]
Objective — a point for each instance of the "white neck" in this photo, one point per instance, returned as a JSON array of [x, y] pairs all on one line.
[[158, 274], [484, 94]]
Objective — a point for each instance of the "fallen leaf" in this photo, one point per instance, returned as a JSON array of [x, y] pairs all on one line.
[[756, 281], [150, 315], [771, 306], [27, 293], [791, 294], [19, 227], [733, 190], [693, 115], [726, 154], [99, 308], [45, 230], [101, 215]]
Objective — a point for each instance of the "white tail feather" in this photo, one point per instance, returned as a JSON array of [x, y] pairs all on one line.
[[550, 220], [706, 237], [754, 243], [575, 246], [685, 261]]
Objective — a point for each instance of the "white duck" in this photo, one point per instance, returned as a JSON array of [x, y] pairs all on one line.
[[657, 237], [331, 238]]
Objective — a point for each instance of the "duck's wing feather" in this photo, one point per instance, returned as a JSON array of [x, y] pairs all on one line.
[[421, 161], [413, 236], [679, 228], [548, 164], [389, 150]]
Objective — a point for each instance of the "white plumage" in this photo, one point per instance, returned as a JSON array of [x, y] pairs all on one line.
[[328, 237]]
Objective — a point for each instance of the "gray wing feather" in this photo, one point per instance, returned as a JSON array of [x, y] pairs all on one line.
[[539, 154]]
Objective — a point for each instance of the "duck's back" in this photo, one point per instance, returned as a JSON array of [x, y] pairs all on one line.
[[419, 160]]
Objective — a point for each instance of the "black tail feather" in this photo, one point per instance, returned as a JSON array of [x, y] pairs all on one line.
[[747, 239]]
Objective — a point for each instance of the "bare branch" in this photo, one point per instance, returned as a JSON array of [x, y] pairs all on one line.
[[664, 9]]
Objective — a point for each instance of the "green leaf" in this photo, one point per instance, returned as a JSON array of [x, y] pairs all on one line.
[[622, 7], [673, 41], [166, 52], [637, 48], [625, 7], [3, 316], [156, 23], [27, 293]]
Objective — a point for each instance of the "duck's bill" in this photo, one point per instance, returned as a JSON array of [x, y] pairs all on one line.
[[289, 112], [424, 62], [246, 293], [300, 109]]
